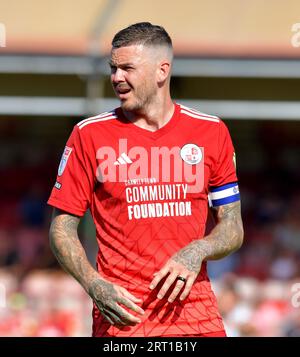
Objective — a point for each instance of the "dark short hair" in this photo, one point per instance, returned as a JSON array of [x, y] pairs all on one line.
[[142, 33]]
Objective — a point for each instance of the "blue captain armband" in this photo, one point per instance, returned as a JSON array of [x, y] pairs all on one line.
[[223, 195]]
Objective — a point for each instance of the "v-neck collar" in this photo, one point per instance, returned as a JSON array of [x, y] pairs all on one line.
[[151, 134]]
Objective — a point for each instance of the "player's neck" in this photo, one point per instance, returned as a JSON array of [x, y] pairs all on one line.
[[154, 116]]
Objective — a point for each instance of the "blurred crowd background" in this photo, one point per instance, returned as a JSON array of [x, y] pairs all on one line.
[[233, 58]]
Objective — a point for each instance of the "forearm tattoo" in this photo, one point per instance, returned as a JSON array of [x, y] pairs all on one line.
[[67, 248], [190, 256], [225, 238]]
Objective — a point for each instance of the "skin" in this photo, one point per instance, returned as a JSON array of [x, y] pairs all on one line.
[[141, 79], [224, 239], [108, 297]]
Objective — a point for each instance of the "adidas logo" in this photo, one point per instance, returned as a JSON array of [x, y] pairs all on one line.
[[123, 160]]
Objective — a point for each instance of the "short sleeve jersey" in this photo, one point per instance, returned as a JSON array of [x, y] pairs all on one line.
[[148, 193]]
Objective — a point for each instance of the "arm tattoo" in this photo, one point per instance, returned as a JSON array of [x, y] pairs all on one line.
[[189, 257], [68, 250], [227, 236], [224, 239], [103, 289]]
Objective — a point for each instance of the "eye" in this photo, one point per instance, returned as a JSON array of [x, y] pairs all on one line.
[[113, 68], [128, 68]]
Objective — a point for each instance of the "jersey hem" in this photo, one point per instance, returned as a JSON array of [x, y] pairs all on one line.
[[57, 204], [217, 333]]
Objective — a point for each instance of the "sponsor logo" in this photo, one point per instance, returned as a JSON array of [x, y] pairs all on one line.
[[64, 159], [162, 164], [123, 160], [57, 185], [191, 154], [142, 201]]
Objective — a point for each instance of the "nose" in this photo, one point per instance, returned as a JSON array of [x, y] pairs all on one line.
[[117, 76]]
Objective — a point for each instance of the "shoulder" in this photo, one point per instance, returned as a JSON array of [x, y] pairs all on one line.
[[193, 114], [85, 129], [93, 121]]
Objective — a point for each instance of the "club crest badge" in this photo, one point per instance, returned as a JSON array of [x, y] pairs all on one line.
[[191, 154], [64, 159]]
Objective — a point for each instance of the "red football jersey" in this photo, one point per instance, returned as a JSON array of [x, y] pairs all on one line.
[[148, 195]]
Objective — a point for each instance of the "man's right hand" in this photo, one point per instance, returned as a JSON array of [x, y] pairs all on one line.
[[109, 297]]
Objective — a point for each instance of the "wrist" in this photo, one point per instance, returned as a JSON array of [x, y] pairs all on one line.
[[91, 281], [203, 248]]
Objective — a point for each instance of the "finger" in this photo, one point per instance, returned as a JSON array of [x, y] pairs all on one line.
[[119, 318], [178, 287], [108, 315], [169, 281], [158, 276], [131, 297], [108, 318], [125, 316], [188, 286], [112, 318], [131, 305]]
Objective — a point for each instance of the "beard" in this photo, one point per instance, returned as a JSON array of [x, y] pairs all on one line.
[[142, 97]]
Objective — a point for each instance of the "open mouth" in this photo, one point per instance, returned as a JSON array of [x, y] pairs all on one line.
[[122, 91]]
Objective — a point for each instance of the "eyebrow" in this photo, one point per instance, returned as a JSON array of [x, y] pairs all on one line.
[[113, 64]]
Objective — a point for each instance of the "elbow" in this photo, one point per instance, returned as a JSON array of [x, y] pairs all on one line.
[[239, 236]]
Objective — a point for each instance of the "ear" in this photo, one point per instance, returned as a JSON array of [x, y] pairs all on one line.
[[163, 70]]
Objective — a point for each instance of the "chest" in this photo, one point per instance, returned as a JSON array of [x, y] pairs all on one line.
[[183, 158]]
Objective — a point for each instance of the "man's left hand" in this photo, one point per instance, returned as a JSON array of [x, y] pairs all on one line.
[[183, 267]]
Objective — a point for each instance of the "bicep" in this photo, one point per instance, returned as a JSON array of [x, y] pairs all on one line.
[[230, 211]]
